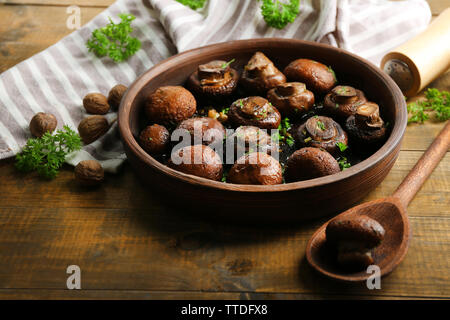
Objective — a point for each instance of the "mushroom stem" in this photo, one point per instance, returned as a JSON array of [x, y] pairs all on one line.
[[368, 115]]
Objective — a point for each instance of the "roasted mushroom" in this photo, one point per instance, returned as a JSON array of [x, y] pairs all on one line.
[[309, 163], [154, 139], [291, 98], [170, 105], [213, 80], [342, 101], [354, 237], [203, 130], [366, 127], [318, 77], [248, 139], [256, 168], [320, 132], [260, 74], [254, 111], [198, 160]]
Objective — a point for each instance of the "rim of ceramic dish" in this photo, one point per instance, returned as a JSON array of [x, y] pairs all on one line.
[[389, 146]]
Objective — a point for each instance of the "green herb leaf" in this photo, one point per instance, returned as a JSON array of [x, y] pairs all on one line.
[[435, 101], [193, 4], [343, 163], [226, 64], [47, 154], [320, 125], [278, 14], [342, 146], [114, 40]]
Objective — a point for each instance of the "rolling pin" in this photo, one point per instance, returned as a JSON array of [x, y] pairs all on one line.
[[416, 63]]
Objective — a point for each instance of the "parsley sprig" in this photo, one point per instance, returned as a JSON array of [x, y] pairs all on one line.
[[437, 102], [342, 146], [278, 14], [47, 154], [114, 40], [193, 4]]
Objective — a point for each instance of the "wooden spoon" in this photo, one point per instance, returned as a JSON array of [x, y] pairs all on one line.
[[390, 213]]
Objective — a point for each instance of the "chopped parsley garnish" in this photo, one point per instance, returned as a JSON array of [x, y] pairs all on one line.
[[320, 125], [343, 163], [282, 134], [342, 146], [226, 64]]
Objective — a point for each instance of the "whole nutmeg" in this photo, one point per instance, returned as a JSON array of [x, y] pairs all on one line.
[[96, 103], [92, 128], [89, 173], [42, 123], [115, 95]]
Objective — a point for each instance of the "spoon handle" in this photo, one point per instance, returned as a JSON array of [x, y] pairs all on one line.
[[424, 167]]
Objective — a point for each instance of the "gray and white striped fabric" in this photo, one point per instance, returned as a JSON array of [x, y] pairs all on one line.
[[57, 79]]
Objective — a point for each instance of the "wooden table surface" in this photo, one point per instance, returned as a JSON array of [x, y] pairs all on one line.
[[130, 245]]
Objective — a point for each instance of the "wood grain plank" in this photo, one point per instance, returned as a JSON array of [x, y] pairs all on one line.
[[60, 294], [142, 250], [27, 30], [125, 191]]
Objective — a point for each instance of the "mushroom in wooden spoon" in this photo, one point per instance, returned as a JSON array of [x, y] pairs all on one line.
[[390, 214]]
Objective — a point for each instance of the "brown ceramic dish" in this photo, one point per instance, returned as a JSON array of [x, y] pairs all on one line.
[[284, 202]]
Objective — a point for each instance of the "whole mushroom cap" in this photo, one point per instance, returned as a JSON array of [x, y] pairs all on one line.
[[203, 130], [318, 77], [343, 101], [309, 163], [291, 98], [254, 111], [198, 160], [247, 139], [256, 168], [260, 74], [170, 104], [213, 80], [366, 127], [361, 229], [154, 139], [320, 132]]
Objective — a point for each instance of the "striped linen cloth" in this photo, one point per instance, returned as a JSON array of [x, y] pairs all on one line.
[[57, 79]]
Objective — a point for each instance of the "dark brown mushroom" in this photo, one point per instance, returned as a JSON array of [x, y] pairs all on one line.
[[354, 237], [260, 74], [256, 168], [254, 111], [291, 98], [213, 80], [248, 139], [366, 127], [203, 130], [154, 139], [198, 160], [320, 132], [343, 101], [310, 163], [318, 77], [170, 105]]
